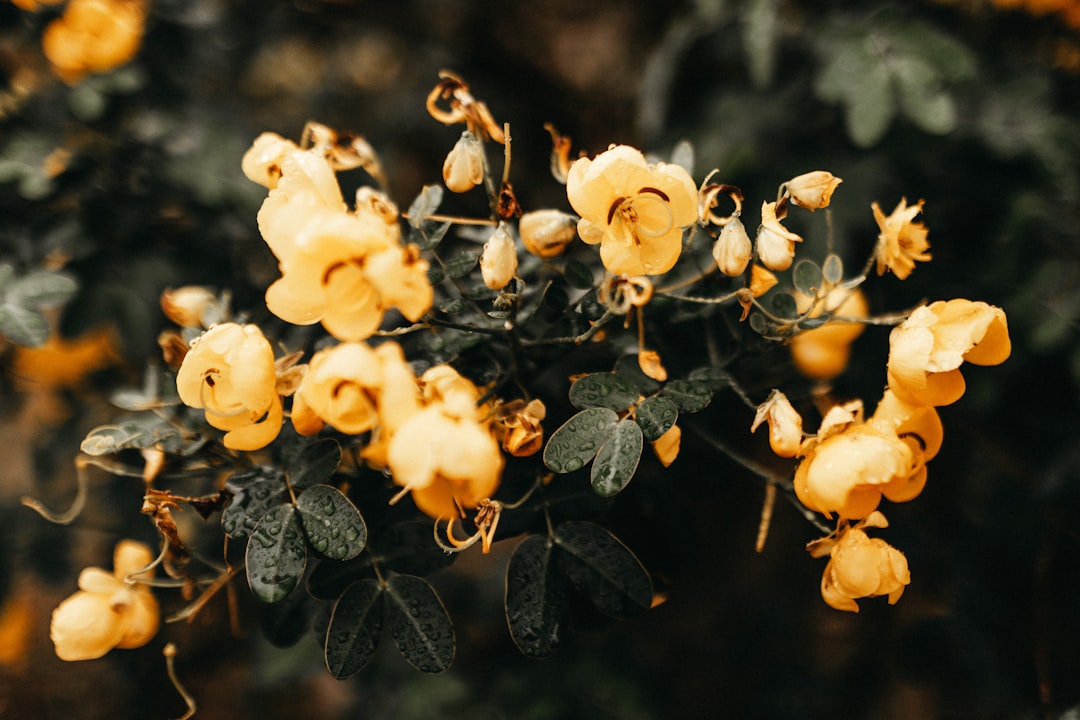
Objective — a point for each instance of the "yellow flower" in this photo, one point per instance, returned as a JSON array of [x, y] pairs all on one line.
[[666, 447], [546, 233], [823, 352], [775, 243], [341, 386], [812, 190], [464, 166], [93, 36], [860, 566], [785, 424], [847, 472], [634, 210], [927, 349], [498, 263], [107, 612], [901, 241], [306, 186], [446, 454], [229, 371], [732, 250]]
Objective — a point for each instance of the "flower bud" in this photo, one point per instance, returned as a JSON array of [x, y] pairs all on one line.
[[546, 233], [499, 261], [187, 306], [812, 190], [785, 424], [464, 166], [263, 161], [732, 250], [775, 243]]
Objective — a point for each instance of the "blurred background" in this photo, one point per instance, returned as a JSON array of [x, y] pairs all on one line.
[[129, 181]]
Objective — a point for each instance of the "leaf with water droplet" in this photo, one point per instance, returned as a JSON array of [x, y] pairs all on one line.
[[690, 396], [536, 597], [574, 444], [606, 390], [655, 416], [314, 464], [285, 623], [604, 569], [618, 458], [419, 623], [254, 491], [406, 548], [331, 522], [276, 554], [352, 637]]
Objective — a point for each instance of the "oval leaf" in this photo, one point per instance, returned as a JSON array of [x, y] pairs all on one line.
[[461, 265], [42, 289], [600, 566], [833, 269], [618, 459], [807, 277], [419, 623], [578, 274], [355, 625], [331, 522], [407, 548], [426, 203], [655, 416], [23, 326], [315, 464], [254, 492], [276, 554], [606, 390], [536, 596], [783, 305], [579, 439], [690, 396]]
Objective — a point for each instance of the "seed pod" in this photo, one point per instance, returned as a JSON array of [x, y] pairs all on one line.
[[464, 166], [546, 233], [499, 261]]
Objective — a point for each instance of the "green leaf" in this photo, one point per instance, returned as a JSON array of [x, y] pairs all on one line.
[[617, 459], [574, 444], [833, 269], [628, 368], [814, 322], [134, 433], [655, 416], [276, 554], [426, 203], [604, 569], [536, 597], [807, 277], [783, 305], [690, 396], [331, 522], [426, 238], [254, 492], [407, 548], [461, 265], [315, 464], [922, 97], [606, 390], [23, 326], [42, 289], [356, 621], [760, 20], [578, 274], [419, 623]]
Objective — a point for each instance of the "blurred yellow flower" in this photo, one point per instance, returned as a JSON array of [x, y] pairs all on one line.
[[901, 241], [107, 612], [93, 36], [634, 210], [229, 371], [823, 352], [927, 349]]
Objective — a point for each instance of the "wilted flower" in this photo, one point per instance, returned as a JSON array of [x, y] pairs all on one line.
[[812, 190], [822, 353], [901, 241], [464, 166], [108, 611], [927, 349], [498, 263], [635, 211], [518, 423], [229, 371], [785, 424], [732, 250], [775, 243], [93, 36], [860, 566], [546, 233]]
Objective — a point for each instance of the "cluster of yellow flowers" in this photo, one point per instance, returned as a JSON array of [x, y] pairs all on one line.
[[91, 36], [851, 462]]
